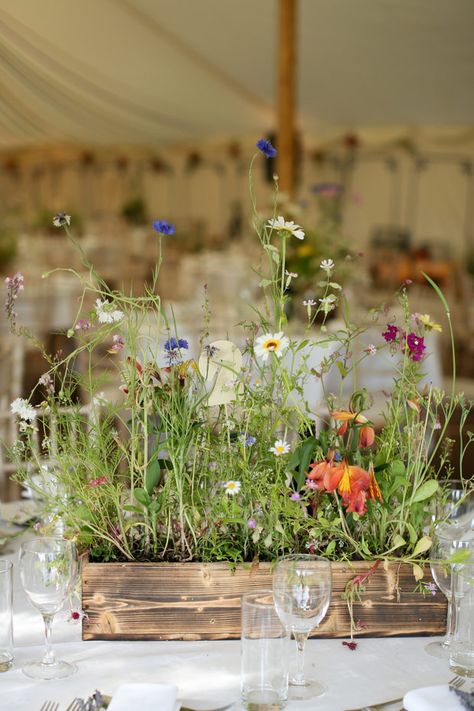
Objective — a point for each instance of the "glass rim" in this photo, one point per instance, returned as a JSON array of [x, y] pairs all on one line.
[[6, 565]]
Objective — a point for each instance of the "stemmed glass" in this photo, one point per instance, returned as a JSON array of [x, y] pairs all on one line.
[[302, 591], [48, 568], [447, 539]]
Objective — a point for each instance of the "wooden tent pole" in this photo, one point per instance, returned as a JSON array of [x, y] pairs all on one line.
[[286, 93]]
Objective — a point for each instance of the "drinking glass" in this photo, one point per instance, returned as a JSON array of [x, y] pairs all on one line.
[[264, 679], [6, 606], [461, 653], [447, 539], [48, 569], [302, 589]]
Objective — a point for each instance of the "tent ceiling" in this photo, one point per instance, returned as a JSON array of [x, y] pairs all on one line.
[[161, 71]]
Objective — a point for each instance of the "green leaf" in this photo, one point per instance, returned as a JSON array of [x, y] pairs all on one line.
[[142, 496], [425, 491], [398, 468], [152, 475], [307, 451], [133, 509], [397, 542], [343, 371], [83, 513], [302, 345], [423, 545], [418, 572], [330, 548], [268, 541]]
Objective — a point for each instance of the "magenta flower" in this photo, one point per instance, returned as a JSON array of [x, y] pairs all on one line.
[[94, 483], [416, 346], [251, 523], [117, 345], [391, 333], [310, 484], [295, 496]]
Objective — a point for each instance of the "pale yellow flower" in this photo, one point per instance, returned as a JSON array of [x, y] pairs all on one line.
[[425, 319]]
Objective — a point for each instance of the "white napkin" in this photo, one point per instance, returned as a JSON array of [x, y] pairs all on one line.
[[432, 698], [145, 697]]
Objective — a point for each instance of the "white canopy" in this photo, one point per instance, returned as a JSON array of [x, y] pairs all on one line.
[[173, 71]]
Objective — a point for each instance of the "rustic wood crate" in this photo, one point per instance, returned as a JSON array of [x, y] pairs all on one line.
[[189, 601]]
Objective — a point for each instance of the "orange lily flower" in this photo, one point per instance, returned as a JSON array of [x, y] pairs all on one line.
[[346, 416], [374, 489], [366, 436], [352, 486]]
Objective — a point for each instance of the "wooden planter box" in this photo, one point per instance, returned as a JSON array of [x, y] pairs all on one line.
[[189, 601]]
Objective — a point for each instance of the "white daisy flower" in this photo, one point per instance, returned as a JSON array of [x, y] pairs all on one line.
[[271, 343], [61, 219], [23, 409], [232, 487], [99, 400], [281, 225], [309, 302], [280, 447], [327, 265], [106, 312]]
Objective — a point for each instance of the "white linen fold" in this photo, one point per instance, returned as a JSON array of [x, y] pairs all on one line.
[[145, 697], [432, 698]]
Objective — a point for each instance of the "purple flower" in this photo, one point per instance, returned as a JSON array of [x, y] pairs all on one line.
[[118, 344], [416, 346], [391, 333], [83, 325], [295, 496], [251, 523], [266, 147], [249, 440], [173, 347], [431, 587], [13, 285], [163, 227], [310, 484]]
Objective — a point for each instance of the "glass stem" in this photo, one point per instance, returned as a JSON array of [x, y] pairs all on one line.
[[450, 622], [48, 647], [298, 675]]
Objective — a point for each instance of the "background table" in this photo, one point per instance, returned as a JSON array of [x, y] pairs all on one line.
[[380, 669]]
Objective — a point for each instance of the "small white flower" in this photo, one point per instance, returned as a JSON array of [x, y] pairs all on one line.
[[327, 304], [280, 447], [60, 219], [309, 302], [327, 265], [280, 225], [293, 275], [271, 343], [371, 349], [106, 312], [99, 400], [23, 409], [232, 487]]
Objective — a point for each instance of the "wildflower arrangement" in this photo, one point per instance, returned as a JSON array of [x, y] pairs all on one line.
[[209, 451]]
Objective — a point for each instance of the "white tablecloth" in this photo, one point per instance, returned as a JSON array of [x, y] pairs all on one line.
[[380, 669]]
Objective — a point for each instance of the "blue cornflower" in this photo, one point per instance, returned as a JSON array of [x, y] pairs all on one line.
[[337, 457], [173, 344], [250, 440], [173, 347], [163, 227], [266, 147]]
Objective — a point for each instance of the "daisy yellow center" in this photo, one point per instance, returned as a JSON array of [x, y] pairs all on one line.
[[231, 485], [271, 345], [280, 449]]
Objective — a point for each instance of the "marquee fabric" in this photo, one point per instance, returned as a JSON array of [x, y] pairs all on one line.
[[154, 72]]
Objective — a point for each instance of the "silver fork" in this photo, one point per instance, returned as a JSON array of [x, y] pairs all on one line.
[[75, 705], [456, 681], [50, 706]]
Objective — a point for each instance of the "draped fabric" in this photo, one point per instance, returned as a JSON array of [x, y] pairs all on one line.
[[151, 72]]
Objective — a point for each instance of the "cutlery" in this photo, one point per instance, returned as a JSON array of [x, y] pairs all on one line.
[[456, 681], [50, 706]]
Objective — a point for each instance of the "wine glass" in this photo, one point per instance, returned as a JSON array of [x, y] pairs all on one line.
[[447, 539], [48, 567], [302, 591]]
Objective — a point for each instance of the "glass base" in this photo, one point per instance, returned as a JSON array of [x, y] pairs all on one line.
[[58, 670], [438, 649], [311, 689]]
